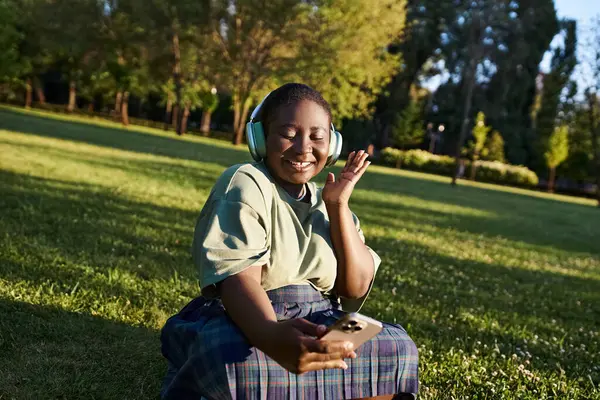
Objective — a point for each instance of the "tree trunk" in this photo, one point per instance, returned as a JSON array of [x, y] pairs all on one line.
[[205, 124], [596, 145], [469, 79], [432, 144], [39, 91], [28, 96], [118, 101], [168, 113], [473, 168], [551, 178], [240, 114], [177, 80], [175, 118], [465, 124], [72, 96], [125, 109], [91, 107], [236, 116], [184, 120]]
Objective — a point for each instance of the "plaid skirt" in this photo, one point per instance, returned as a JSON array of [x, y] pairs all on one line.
[[210, 358]]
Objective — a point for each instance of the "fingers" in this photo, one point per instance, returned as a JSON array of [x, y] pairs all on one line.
[[325, 355], [308, 328], [330, 178], [317, 366], [355, 161], [348, 165], [325, 350], [362, 170], [358, 161]]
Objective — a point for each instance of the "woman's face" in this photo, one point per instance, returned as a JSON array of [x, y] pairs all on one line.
[[298, 141]]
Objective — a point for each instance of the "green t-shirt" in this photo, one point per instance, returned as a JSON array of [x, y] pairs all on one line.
[[249, 220]]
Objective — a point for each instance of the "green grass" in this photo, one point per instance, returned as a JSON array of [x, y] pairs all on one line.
[[499, 287]]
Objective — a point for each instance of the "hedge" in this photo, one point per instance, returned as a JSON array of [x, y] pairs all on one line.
[[487, 171]]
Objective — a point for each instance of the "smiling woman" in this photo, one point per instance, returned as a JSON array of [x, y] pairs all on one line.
[[279, 260]]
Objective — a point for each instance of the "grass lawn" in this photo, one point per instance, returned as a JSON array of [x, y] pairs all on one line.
[[499, 288]]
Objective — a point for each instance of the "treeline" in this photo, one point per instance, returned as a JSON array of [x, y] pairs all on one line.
[[369, 58]]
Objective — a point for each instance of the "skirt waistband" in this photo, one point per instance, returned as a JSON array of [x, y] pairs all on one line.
[[296, 294]]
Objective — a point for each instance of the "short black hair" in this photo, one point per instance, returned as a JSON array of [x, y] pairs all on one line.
[[287, 94]]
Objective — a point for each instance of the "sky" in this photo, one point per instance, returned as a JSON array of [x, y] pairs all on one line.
[[582, 11]]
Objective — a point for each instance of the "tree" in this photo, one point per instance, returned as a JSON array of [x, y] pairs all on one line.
[[419, 46], [484, 26], [332, 46], [516, 35], [494, 148], [510, 95], [408, 128], [72, 39], [480, 133], [592, 95], [30, 24], [557, 152], [557, 90], [10, 38], [210, 102], [342, 55]]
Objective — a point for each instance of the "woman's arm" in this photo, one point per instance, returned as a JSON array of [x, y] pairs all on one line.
[[291, 343], [355, 266]]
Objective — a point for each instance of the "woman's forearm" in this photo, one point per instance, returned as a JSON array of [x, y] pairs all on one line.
[[355, 267], [248, 305]]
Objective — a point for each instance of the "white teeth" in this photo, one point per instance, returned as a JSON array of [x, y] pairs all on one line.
[[300, 164]]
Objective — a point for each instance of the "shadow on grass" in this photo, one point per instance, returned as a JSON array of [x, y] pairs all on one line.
[[451, 303], [553, 228], [51, 353], [122, 139], [62, 229]]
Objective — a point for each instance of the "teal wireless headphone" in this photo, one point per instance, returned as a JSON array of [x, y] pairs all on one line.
[[255, 136]]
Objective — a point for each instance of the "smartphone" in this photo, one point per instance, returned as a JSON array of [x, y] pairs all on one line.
[[355, 328]]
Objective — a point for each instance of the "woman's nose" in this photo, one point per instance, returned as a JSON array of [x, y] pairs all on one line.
[[302, 144]]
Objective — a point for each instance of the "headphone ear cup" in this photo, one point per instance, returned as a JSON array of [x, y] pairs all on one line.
[[255, 137], [259, 140], [335, 147], [250, 139]]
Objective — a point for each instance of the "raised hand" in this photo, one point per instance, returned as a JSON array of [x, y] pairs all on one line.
[[338, 192]]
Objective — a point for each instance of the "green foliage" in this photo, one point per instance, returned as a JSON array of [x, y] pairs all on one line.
[[494, 148], [480, 133], [486, 171], [209, 101], [554, 105], [418, 45], [408, 128], [10, 38], [495, 285], [345, 55], [558, 147]]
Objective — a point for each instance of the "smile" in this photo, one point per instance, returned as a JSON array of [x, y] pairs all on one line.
[[299, 166]]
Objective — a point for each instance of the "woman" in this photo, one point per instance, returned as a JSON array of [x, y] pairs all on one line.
[[279, 260]]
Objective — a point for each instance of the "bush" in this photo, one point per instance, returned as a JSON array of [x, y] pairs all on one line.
[[487, 171]]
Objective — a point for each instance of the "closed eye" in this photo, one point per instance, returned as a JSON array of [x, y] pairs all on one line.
[[288, 134]]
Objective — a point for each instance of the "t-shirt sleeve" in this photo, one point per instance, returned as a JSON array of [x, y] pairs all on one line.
[[231, 234], [354, 305]]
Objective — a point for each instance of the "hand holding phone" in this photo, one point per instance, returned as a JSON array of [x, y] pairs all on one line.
[[355, 328]]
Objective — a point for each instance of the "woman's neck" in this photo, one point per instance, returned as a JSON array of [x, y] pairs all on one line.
[[296, 190]]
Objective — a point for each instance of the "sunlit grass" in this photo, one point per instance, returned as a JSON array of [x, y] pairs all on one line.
[[499, 287]]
